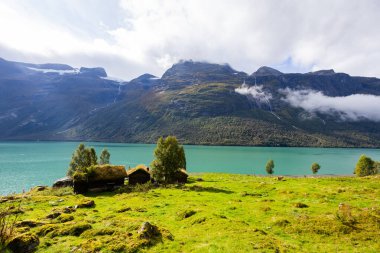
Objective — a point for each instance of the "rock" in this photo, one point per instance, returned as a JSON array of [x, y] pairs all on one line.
[[29, 223], [65, 218], [2, 200], [63, 182], [124, 209], [68, 209], [53, 215], [280, 178], [75, 230], [39, 188], [148, 231], [86, 204], [185, 214], [199, 179], [300, 205], [24, 243], [53, 203], [6, 198]]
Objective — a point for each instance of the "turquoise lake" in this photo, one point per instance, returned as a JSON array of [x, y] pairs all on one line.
[[27, 164]]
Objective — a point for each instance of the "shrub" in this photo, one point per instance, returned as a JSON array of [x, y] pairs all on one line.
[[269, 167], [169, 159], [365, 167], [315, 167], [377, 167]]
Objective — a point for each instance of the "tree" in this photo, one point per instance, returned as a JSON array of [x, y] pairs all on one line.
[[81, 159], [169, 159], [365, 166], [269, 167], [92, 156], [315, 168], [105, 157]]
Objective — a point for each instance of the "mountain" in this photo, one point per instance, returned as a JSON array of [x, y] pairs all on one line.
[[199, 102], [267, 71]]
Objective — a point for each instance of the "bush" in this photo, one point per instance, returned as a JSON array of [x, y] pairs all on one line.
[[169, 159], [365, 167], [269, 167], [315, 167]]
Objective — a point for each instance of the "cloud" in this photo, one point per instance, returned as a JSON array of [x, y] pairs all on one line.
[[354, 107], [131, 37], [256, 92]]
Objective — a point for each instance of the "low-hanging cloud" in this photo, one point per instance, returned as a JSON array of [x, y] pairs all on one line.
[[256, 92], [354, 107]]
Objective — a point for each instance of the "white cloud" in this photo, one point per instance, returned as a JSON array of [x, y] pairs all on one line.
[[354, 107], [131, 37], [255, 91]]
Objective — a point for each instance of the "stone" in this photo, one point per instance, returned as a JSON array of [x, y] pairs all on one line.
[[53, 215], [148, 231], [40, 188], [63, 182], [24, 243], [86, 204], [29, 223], [68, 209]]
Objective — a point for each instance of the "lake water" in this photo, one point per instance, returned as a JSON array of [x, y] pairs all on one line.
[[27, 164]]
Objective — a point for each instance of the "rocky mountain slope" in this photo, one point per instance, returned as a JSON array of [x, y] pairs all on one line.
[[200, 103]]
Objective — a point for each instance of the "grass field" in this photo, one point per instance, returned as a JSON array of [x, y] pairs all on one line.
[[222, 213]]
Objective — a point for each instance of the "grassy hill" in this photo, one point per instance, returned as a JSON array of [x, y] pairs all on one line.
[[222, 213]]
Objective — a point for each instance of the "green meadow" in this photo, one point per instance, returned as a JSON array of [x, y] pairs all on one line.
[[211, 213]]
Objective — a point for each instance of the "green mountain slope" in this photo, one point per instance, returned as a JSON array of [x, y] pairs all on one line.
[[200, 103]]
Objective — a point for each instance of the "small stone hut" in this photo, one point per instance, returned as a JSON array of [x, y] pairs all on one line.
[[138, 175], [181, 176], [100, 177]]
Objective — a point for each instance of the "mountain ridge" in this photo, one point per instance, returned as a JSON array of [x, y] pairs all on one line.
[[199, 102]]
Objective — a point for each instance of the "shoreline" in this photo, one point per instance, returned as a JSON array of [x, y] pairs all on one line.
[[196, 175], [186, 144]]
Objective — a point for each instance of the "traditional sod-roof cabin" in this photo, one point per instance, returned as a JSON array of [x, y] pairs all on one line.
[[181, 176], [138, 175], [99, 177]]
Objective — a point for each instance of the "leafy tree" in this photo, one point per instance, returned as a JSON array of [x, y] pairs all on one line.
[[92, 155], [365, 166], [269, 167], [82, 158], [315, 167], [105, 157], [169, 158]]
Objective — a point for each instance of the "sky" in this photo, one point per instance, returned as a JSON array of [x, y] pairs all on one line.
[[132, 37]]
